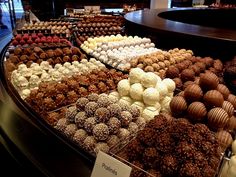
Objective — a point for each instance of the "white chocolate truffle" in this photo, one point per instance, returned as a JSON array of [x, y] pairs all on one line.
[[26, 72], [232, 161], [231, 171], [34, 81], [66, 64], [126, 100], [37, 70], [45, 77], [158, 106], [149, 79], [140, 105], [234, 147], [170, 84], [45, 65], [25, 93], [151, 96], [162, 89], [123, 87], [135, 75], [165, 104], [149, 113], [22, 82], [136, 91]]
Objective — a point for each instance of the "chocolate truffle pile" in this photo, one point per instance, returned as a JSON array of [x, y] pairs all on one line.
[[48, 27], [26, 78], [230, 75], [188, 71], [50, 96], [98, 122], [29, 55], [175, 148], [159, 61], [207, 102], [98, 26]]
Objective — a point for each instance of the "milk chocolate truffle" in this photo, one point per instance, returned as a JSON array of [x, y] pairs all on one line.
[[178, 83], [70, 130], [80, 119], [125, 118], [187, 83], [114, 125], [187, 75], [89, 124], [61, 124], [231, 125], [71, 113], [79, 136], [90, 108], [217, 118], [193, 93], [101, 132], [228, 107], [197, 111], [213, 98], [223, 90], [178, 105], [89, 143], [208, 81], [195, 69], [102, 114], [101, 147], [232, 100], [114, 109], [80, 103], [172, 72], [224, 138]]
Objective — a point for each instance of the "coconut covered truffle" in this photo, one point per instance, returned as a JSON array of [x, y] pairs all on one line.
[[149, 79], [101, 131]]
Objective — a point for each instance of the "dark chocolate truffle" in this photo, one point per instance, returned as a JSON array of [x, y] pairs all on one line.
[[71, 113], [80, 119], [89, 124], [101, 131], [79, 136], [125, 118], [90, 108], [114, 125], [70, 130], [102, 114]]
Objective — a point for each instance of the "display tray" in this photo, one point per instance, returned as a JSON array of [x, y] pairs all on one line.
[[34, 116]]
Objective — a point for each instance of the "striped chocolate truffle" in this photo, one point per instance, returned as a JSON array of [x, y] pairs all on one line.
[[213, 98], [178, 105], [223, 90], [224, 139], [228, 107], [193, 93], [197, 111], [231, 125], [232, 100], [217, 118], [208, 81]]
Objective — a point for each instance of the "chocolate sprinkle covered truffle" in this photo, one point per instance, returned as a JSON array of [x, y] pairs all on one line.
[[114, 125], [89, 143], [89, 124], [103, 102], [93, 97], [90, 108], [101, 147], [125, 118], [71, 113], [81, 102], [70, 130], [79, 136], [114, 109], [102, 114], [101, 131], [61, 124], [80, 119]]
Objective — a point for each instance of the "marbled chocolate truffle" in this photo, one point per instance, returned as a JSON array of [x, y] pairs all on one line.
[[61, 124], [101, 131], [187, 75], [80, 103], [80, 119], [101, 147], [90, 108], [208, 81], [114, 109], [93, 97], [89, 124], [213, 98], [70, 130], [102, 114], [178, 105], [71, 113], [79, 136], [125, 118], [197, 111], [114, 125], [89, 143], [193, 93]]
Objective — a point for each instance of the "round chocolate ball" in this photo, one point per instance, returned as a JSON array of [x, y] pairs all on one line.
[[213, 98], [208, 81], [193, 93], [80, 119], [232, 100], [114, 125], [178, 105], [135, 111], [172, 72], [90, 108], [101, 147], [102, 114], [228, 107], [113, 140], [80, 136], [224, 138], [71, 113], [123, 133], [93, 97], [114, 109], [89, 124], [197, 111], [125, 118], [187, 75], [70, 130], [223, 90], [101, 132], [103, 101], [61, 124], [217, 118], [133, 128], [80, 103], [89, 143], [178, 83]]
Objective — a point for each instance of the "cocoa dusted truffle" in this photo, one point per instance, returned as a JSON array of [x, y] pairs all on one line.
[[169, 165], [114, 125], [80, 118], [81, 103], [79, 136], [89, 124], [71, 113], [90, 108], [190, 170], [125, 118], [70, 130], [101, 131], [102, 114]]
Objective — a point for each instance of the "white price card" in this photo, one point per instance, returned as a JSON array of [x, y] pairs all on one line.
[[107, 166]]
